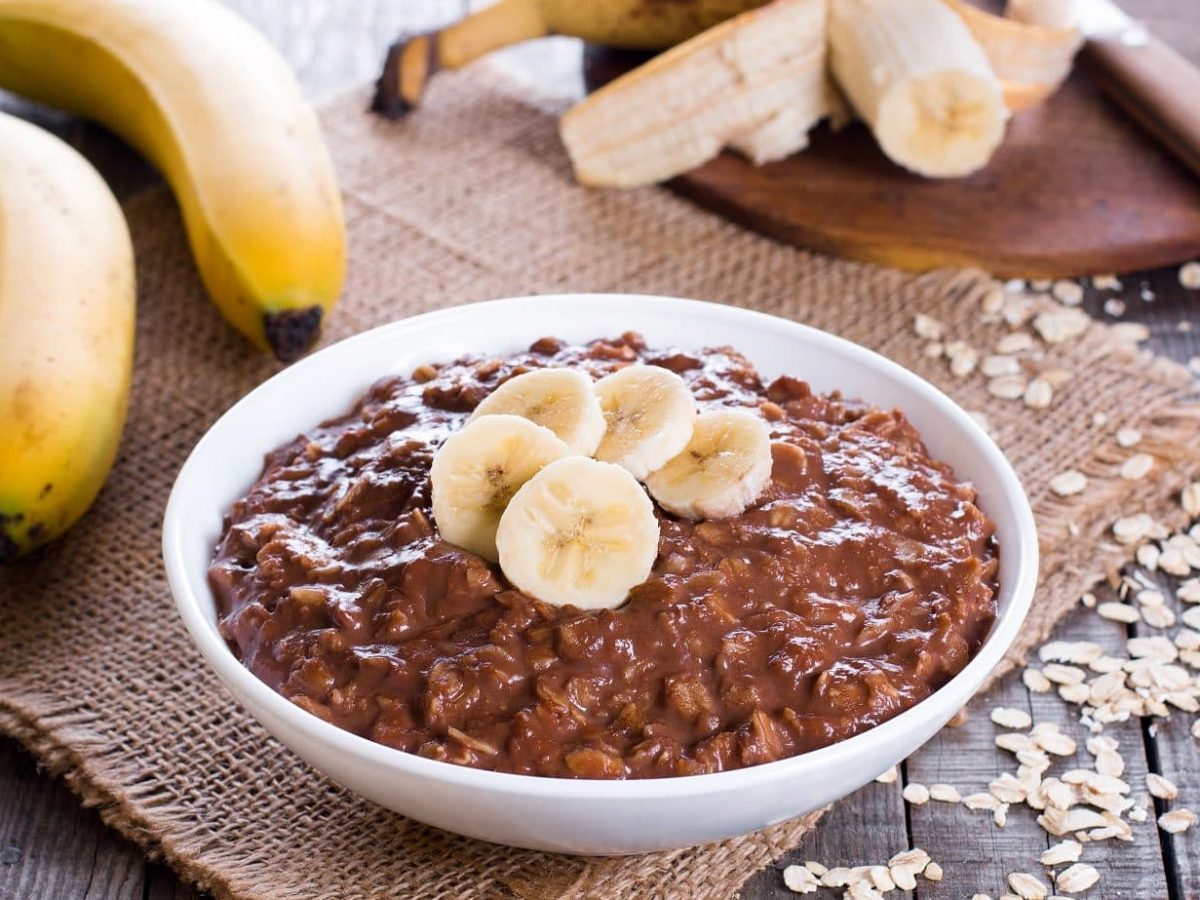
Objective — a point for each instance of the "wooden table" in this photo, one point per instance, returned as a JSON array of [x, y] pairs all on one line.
[[53, 849]]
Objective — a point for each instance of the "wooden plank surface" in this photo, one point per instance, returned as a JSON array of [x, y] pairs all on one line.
[[51, 848]]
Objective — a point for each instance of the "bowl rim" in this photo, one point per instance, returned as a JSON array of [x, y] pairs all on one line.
[[248, 690]]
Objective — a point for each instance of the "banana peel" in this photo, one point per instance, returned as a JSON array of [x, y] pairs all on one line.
[[757, 83], [628, 24], [1031, 60]]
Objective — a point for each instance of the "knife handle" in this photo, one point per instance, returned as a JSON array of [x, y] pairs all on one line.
[[1156, 86]]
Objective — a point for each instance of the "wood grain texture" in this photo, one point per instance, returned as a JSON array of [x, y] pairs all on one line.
[[1173, 753], [51, 849], [1075, 189]]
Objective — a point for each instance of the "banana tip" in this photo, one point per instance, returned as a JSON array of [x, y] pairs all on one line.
[[292, 332], [8, 549], [409, 64]]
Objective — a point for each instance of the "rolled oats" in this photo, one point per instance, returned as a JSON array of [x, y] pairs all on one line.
[[998, 365], [1077, 878], [1189, 499], [981, 801], [1176, 821], [1118, 612], [1028, 887], [1061, 325], [800, 880], [928, 327], [1036, 681], [1160, 787], [1039, 394], [1067, 851], [1130, 332], [1008, 387], [1068, 293], [1137, 467], [1132, 529], [1189, 275], [1009, 717], [1128, 437], [1064, 674], [945, 793], [1014, 342], [916, 794]]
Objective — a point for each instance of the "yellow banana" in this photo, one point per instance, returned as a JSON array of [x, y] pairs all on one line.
[[66, 335], [633, 24], [206, 98]]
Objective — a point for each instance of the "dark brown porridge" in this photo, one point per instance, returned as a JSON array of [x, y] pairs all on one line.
[[862, 580]]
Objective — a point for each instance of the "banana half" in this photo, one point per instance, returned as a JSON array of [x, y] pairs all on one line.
[[913, 70], [649, 413], [721, 471], [579, 532], [476, 472], [559, 399], [757, 83]]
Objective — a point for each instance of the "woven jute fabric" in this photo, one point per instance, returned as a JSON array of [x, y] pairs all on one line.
[[469, 200]]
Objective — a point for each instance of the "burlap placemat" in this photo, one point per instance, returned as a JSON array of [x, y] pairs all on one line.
[[471, 199]]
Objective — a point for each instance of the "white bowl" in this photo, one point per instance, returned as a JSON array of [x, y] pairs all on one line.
[[559, 814]]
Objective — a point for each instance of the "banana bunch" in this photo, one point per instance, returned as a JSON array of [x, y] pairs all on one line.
[[632, 24], [209, 101], [544, 479], [66, 335], [936, 80]]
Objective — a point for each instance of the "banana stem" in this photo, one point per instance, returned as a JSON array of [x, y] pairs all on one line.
[[411, 62]]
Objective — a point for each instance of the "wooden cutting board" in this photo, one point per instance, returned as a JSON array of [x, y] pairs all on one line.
[[1076, 189]]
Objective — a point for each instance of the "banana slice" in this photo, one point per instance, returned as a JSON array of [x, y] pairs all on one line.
[[916, 74], [476, 472], [559, 399], [649, 412], [722, 470], [580, 532]]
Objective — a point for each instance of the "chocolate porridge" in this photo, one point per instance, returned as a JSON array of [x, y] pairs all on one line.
[[860, 581]]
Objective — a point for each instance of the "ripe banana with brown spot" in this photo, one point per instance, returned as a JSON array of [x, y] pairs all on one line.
[[209, 101], [66, 335], [631, 24]]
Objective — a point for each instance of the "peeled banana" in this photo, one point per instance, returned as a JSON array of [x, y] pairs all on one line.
[[757, 83], [1031, 59], [66, 335], [580, 532], [633, 24], [206, 98], [915, 73]]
